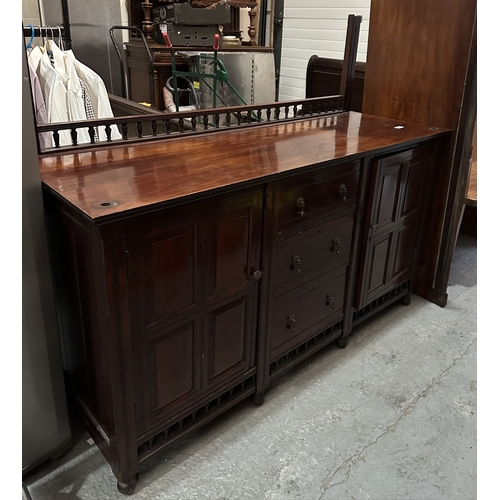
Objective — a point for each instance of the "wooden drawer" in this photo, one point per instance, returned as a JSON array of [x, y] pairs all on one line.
[[317, 193], [318, 249], [319, 305]]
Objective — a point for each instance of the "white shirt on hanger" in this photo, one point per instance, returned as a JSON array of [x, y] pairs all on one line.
[[65, 66], [44, 138], [54, 92], [98, 95]]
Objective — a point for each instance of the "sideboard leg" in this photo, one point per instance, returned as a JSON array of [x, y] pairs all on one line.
[[406, 300], [341, 342], [127, 488], [258, 399]]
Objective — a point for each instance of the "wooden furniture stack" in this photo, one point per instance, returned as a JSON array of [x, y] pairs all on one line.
[[421, 66]]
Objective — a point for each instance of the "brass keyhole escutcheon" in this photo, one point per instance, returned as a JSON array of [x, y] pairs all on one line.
[[291, 323], [302, 205]]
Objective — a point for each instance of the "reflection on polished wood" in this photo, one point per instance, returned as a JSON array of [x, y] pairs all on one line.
[[109, 183]]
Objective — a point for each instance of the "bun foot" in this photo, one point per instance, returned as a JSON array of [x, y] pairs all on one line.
[[406, 300], [258, 399], [341, 342], [127, 488]]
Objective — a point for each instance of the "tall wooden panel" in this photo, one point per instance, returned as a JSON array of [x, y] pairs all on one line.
[[421, 67]]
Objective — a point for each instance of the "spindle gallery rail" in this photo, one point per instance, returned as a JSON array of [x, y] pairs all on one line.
[[138, 128]]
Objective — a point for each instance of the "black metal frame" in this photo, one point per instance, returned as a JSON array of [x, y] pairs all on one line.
[[66, 23], [125, 85]]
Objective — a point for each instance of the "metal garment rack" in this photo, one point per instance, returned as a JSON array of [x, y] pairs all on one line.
[[47, 32]]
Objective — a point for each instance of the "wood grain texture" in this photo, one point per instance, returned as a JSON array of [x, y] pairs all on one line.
[[149, 176], [417, 59]]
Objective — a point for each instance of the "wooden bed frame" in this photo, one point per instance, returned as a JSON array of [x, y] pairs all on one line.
[[323, 77]]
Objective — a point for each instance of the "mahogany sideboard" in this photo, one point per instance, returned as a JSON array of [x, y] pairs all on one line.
[[192, 272]]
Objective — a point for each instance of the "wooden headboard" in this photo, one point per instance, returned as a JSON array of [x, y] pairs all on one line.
[[323, 79]]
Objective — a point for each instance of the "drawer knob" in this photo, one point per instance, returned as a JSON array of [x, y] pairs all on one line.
[[301, 204], [297, 261], [291, 323], [257, 275], [336, 246], [330, 301], [343, 191]]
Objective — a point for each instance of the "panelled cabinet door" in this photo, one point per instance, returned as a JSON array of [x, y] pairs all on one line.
[[233, 255], [164, 253], [397, 194], [193, 301]]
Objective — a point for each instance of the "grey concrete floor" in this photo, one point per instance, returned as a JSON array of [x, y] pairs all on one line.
[[392, 416]]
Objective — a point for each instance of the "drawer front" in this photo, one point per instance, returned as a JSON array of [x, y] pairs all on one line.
[[320, 305], [317, 193], [318, 249]]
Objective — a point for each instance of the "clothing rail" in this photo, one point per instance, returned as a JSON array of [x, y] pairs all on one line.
[[47, 32]]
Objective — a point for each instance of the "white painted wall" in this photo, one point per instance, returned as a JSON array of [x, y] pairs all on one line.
[[316, 27]]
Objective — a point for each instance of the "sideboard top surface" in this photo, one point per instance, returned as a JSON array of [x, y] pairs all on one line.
[[116, 181]]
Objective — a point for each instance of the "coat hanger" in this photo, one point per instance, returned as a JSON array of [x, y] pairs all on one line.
[[43, 33], [60, 38], [51, 39], [30, 44]]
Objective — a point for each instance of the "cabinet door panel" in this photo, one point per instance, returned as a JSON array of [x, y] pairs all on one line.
[[172, 367], [230, 253], [194, 301], [413, 188], [387, 197], [379, 265], [169, 261], [404, 245], [228, 346]]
